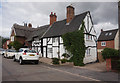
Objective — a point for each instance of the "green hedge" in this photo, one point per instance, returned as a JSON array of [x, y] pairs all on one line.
[[109, 53], [55, 61], [63, 60]]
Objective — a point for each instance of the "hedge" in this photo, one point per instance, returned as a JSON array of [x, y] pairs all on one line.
[[109, 53]]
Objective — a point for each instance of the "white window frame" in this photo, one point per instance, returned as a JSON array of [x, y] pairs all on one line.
[[50, 50], [88, 51], [103, 43], [12, 38], [88, 37], [55, 39]]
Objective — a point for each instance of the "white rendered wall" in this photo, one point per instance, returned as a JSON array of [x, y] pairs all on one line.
[[116, 43], [92, 57]]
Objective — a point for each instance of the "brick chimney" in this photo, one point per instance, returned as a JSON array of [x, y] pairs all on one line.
[[25, 24], [29, 25], [53, 18], [70, 13], [101, 30]]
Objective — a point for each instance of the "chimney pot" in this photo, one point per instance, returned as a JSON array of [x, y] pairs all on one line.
[[52, 18], [101, 30], [30, 25], [51, 13]]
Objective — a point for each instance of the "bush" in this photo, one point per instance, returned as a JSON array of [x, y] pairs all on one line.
[[66, 55], [63, 60], [70, 60], [10, 45], [55, 61], [17, 45], [109, 53]]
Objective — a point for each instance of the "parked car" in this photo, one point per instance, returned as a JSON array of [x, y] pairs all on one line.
[[2, 51], [25, 54], [10, 53]]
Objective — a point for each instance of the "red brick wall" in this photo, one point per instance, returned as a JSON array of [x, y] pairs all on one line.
[[70, 14], [12, 34], [109, 44], [5, 44], [20, 39]]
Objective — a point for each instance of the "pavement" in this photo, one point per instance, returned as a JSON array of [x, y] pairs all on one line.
[[91, 66], [12, 71]]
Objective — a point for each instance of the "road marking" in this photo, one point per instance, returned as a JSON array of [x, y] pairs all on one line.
[[73, 74], [88, 68]]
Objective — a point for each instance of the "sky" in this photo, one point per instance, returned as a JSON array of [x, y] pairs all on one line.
[[104, 14]]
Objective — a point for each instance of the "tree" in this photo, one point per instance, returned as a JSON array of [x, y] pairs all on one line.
[[17, 45], [3, 40]]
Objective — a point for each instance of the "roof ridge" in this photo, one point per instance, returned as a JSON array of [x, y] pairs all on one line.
[[110, 30]]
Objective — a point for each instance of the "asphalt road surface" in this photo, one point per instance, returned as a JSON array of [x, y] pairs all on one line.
[[12, 71]]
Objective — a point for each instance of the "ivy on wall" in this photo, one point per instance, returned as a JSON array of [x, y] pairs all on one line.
[[74, 43]]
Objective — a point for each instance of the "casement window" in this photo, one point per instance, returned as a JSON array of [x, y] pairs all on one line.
[[88, 51], [55, 39], [88, 37], [50, 50], [7, 42], [12, 38], [103, 43]]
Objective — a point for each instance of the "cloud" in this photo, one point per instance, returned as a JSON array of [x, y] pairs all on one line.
[[105, 26], [37, 13]]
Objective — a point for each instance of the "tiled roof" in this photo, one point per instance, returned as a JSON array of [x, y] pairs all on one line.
[[107, 35], [61, 27]]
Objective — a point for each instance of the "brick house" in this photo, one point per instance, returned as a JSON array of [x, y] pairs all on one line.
[[5, 45], [107, 39]]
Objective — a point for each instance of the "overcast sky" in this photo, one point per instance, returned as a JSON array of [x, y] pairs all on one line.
[[104, 15]]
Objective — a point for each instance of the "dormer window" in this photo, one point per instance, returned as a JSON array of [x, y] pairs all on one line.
[[106, 34], [110, 33]]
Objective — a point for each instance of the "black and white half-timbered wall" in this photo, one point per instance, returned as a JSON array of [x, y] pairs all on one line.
[[52, 43]]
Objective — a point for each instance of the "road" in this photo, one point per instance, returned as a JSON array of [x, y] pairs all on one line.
[[12, 71]]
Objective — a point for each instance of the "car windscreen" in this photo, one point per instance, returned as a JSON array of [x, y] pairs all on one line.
[[30, 51], [11, 50]]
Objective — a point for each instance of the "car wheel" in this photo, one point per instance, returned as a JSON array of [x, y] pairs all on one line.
[[14, 58], [36, 62], [20, 61]]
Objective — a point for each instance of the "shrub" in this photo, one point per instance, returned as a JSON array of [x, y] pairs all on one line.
[[17, 45], [109, 53], [10, 45], [63, 60], [70, 60], [55, 61], [66, 55]]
